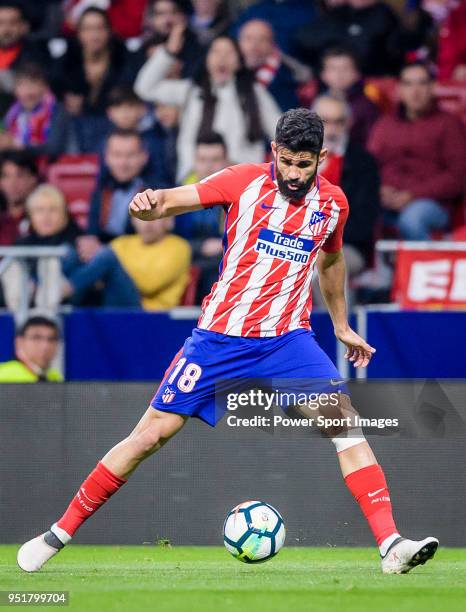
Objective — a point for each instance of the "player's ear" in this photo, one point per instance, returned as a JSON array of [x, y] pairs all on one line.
[[273, 146], [322, 155]]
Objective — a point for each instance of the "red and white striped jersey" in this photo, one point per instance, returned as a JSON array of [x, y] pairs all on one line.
[[270, 248]]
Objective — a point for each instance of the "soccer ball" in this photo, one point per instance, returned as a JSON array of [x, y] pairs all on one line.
[[253, 532]]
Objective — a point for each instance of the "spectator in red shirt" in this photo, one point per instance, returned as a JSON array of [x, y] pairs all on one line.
[[18, 178], [421, 153]]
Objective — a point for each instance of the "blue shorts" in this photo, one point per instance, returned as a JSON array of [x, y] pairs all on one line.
[[189, 384]]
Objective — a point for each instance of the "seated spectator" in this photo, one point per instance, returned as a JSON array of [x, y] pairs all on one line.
[[204, 228], [36, 122], [126, 111], [341, 77], [36, 346], [223, 98], [125, 159], [50, 226], [285, 17], [18, 178], [170, 19], [369, 27], [355, 171], [93, 63], [279, 73], [15, 47], [148, 269], [421, 153], [210, 18]]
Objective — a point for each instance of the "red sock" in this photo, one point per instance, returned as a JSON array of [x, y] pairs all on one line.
[[98, 487], [369, 488]]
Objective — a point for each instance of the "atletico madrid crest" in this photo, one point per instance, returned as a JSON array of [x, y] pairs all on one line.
[[317, 222], [168, 395]]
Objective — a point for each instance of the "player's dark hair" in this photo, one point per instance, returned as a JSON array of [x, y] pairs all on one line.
[[341, 51], [212, 138], [22, 159], [418, 64], [35, 321], [123, 94], [299, 129], [244, 81], [31, 71]]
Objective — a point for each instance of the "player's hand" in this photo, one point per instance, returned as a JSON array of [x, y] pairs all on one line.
[[359, 352], [144, 206]]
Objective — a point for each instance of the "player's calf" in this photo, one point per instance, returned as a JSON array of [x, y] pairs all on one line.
[[152, 432]]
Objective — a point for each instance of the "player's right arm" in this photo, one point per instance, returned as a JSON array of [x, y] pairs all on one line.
[[153, 204]]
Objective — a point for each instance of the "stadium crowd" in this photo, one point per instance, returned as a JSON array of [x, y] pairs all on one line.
[[165, 92]]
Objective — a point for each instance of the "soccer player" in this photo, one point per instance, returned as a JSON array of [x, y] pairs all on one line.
[[282, 218]]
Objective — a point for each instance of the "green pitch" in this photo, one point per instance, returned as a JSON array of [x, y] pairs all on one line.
[[127, 578]]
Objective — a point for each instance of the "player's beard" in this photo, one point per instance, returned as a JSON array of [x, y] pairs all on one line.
[[294, 194]]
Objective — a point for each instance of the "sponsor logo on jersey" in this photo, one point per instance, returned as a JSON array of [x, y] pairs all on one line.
[[318, 222], [168, 395], [284, 246]]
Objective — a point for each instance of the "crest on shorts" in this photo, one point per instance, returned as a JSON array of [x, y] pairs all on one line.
[[168, 395]]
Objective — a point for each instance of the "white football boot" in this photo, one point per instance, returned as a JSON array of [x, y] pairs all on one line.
[[36, 552], [404, 554]]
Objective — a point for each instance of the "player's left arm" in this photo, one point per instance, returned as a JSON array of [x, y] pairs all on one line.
[[332, 276]]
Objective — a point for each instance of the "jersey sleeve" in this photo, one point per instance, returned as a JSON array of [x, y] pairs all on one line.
[[334, 242], [224, 186]]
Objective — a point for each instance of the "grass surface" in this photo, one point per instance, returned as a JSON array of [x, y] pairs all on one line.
[[101, 578]]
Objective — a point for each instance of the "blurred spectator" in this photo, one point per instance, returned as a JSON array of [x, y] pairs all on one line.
[[452, 42], [223, 98], [50, 226], [36, 346], [126, 111], [36, 122], [93, 63], [285, 17], [204, 228], [422, 158], [210, 18], [355, 171], [18, 178], [150, 268], [125, 160], [170, 19], [341, 77], [369, 27], [277, 72], [15, 47]]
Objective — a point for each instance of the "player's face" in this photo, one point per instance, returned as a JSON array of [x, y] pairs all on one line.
[[210, 158], [38, 345], [295, 171], [222, 61], [125, 157]]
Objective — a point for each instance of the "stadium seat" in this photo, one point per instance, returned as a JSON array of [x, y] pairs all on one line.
[[189, 296], [75, 175]]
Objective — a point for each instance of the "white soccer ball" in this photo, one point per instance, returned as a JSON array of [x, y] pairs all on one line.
[[253, 532]]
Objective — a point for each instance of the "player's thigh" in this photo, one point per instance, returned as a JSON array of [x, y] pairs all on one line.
[[166, 424]]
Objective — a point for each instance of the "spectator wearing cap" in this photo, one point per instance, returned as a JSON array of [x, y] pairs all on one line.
[[37, 122], [36, 346], [19, 176], [421, 152], [341, 77]]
